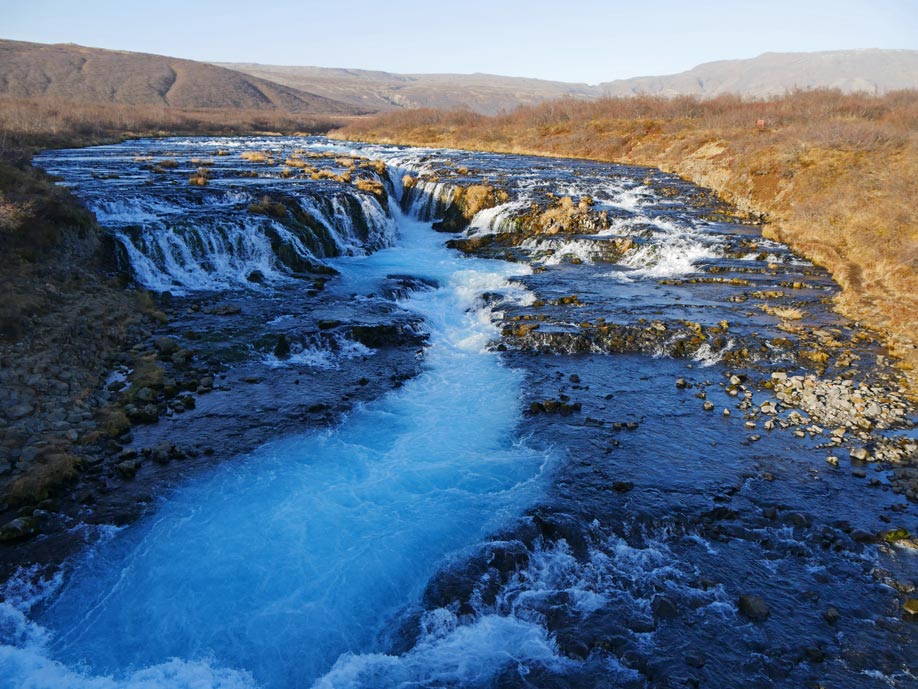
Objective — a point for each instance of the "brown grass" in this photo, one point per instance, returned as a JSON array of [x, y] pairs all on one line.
[[54, 122], [50, 471], [834, 173]]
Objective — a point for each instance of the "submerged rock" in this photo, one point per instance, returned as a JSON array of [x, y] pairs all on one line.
[[753, 607]]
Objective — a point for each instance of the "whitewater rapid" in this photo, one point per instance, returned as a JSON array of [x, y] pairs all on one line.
[[273, 567]]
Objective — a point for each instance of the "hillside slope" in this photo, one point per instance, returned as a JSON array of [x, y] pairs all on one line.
[[373, 90], [91, 75], [869, 71], [773, 74]]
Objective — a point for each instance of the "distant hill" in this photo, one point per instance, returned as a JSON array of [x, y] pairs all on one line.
[[771, 74], [92, 75], [484, 93], [872, 71]]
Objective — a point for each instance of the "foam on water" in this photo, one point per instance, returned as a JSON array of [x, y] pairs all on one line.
[[278, 564], [325, 354], [672, 257]]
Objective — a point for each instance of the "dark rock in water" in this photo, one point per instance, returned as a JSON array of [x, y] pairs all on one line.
[[681, 383], [127, 468], [19, 529], [831, 615], [327, 324], [753, 607], [385, 335], [400, 286], [256, 276], [814, 654], [695, 660], [148, 413], [622, 486], [166, 345], [145, 395], [224, 309], [664, 608], [282, 348]]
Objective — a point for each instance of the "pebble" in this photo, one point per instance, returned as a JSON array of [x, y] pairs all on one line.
[[708, 406], [832, 460]]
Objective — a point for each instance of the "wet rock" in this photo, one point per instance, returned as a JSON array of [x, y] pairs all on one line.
[[224, 309], [681, 383], [19, 411], [622, 486], [128, 468], [709, 406], [145, 395], [695, 660], [385, 335], [832, 460], [753, 607], [256, 277], [147, 413], [910, 606], [282, 348], [664, 608], [814, 654], [859, 453], [19, 529], [166, 346], [831, 615]]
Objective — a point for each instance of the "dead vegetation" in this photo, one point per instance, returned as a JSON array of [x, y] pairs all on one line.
[[54, 122], [834, 174]]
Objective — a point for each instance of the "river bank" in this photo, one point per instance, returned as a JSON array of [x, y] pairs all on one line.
[[829, 173]]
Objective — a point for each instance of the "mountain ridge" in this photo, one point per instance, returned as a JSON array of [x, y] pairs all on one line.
[[95, 75]]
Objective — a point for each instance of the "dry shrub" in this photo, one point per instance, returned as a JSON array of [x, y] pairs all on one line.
[[55, 122], [372, 186], [50, 471], [255, 156]]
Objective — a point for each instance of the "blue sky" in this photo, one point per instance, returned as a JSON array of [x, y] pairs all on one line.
[[573, 40]]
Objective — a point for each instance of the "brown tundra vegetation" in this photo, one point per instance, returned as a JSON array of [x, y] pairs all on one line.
[[835, 176]]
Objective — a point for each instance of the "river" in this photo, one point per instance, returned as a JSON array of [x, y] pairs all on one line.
[[550, 502]]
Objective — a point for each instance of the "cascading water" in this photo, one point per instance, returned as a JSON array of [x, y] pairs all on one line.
[[236, 230], [280, 562]]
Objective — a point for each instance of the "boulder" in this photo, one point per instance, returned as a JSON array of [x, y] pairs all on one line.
[[166, 345], [128, 468], [19, 529], [753, 607], [663, 608], [19, 411]]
